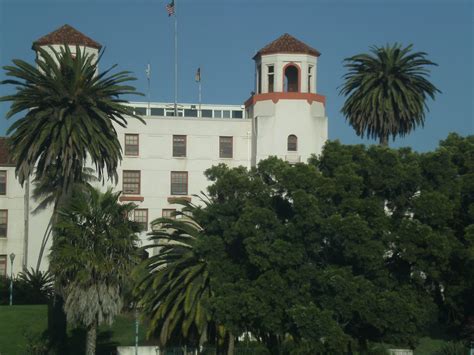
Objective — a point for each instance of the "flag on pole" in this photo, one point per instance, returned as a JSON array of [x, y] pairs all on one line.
[[148, 71], [198, 75], [170, 8]]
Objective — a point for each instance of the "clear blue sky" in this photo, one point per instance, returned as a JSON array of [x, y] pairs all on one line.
[[221, 36]]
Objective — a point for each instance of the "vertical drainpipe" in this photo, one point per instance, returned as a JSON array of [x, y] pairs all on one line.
[[27, 224]]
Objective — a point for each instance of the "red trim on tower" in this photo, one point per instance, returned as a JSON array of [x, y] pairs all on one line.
[[276, 96]]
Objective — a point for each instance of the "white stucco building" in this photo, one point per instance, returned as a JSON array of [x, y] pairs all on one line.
[[166, 158]]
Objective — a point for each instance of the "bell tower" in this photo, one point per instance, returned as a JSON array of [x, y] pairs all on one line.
[[288, 115], [67, 35]]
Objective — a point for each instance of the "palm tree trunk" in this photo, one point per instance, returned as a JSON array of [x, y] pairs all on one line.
[[46, 235], [384, 140], [231, 345], [91, 339]]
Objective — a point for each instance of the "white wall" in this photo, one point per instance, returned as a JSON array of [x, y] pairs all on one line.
[[276, 121], [13, 202], [155, 160]]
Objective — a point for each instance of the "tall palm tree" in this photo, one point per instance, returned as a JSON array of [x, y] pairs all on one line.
[[386, 91], [47, 191], [174, 284], [92, 256], [68, 112]]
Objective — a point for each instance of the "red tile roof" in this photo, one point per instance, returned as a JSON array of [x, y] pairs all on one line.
[[5, 157], [66, 35], [287, 44]]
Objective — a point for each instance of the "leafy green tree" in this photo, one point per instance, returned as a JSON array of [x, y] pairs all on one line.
[[92, 256], [386, 91], [173, 285], [288, 244]]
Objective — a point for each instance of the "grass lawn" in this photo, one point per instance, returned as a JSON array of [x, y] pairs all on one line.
[[15, 322], [18, 321]]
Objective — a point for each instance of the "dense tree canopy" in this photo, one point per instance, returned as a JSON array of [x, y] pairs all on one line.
[[361, 244]]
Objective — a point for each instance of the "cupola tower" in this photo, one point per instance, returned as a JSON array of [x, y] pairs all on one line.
[[67, 35], [288, 115]]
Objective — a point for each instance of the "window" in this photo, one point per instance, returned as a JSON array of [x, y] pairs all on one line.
[[225, 114], [3, 223], [131, 182], [259, 79], [292, 143], [140, 215], [225, 147], [310, 77], [140, 111], [3, 182], [291, 79], [168, 213], [131, 144], [179, 146], [206, 113], [179, 182], [157, 111], [237, 114], [271, 77], [3, 265], [190, 112], [217, 113], [170, 112]]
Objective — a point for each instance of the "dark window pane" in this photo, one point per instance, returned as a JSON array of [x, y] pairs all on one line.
[[237, 114], [217, 113], [140, 215], [225, 114], [3, 182], [131, 182], [179, 183], [190, 113], [157, 111], [292, 143], [140, 111], [179, 146], [206, 113], [3, 223], [3, 266], [225, 147], [131, 144]]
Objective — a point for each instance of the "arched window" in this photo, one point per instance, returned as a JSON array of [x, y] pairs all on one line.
[[291, 79], [292, 143]]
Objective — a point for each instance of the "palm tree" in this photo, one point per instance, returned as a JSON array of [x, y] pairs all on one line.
[[173, 285], [386, 91], [47, 192], [68, 115], [92, 256]]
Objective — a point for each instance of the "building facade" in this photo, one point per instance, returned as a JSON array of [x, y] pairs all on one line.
[[166, 158]]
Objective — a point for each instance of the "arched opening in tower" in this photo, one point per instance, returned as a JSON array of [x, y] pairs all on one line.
[[291, 79]]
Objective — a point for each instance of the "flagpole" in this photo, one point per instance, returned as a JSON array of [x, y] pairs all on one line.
[[200, 98], [148, 73], [175, 58]]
